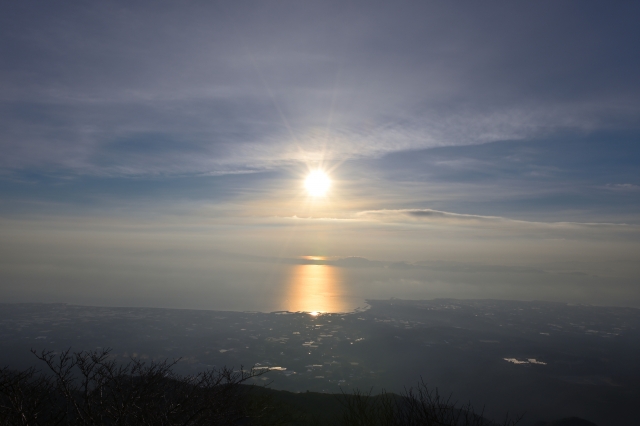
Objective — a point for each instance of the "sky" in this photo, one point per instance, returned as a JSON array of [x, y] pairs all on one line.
[[146, 141]]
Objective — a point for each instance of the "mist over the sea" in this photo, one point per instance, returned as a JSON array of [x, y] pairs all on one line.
[[178, 270]]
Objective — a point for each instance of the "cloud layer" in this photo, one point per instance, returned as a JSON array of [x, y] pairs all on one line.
[[162, 89]]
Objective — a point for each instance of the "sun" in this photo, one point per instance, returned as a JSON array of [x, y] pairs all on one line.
[[317, 183]]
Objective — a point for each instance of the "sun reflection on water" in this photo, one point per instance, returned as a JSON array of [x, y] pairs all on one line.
[[316, 289]]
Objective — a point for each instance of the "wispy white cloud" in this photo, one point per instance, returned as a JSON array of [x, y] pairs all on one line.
[[427, 216], [622, 187]]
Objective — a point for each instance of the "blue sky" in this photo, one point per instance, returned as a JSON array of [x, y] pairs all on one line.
[[448, 121]]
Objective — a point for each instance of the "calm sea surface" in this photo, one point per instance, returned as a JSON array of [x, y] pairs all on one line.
[[267, 287]]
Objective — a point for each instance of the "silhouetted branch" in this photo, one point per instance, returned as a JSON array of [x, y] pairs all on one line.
[[91, 388]]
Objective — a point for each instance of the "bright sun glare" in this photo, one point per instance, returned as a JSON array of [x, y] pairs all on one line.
[[317, 183]]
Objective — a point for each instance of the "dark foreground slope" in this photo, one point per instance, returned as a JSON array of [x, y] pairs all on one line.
[[91, 388], [315, 408]]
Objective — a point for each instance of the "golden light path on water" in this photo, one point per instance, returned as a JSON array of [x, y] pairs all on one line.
[[316, 289]]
